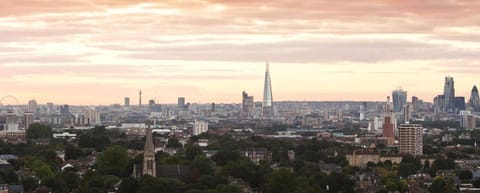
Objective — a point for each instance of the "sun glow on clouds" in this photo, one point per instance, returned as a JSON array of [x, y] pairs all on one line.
[[211, 50]]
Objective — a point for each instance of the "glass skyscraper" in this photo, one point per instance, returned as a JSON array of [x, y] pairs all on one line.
[[399, 100], [267, 95], [474, 102], [449, 94]]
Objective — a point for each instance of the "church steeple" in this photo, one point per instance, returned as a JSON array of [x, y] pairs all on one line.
[[149, 164]]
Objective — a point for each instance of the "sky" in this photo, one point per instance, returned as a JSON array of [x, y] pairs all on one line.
[[100, 51]]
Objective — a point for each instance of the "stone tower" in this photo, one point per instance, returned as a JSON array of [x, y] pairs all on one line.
[[149, 163]]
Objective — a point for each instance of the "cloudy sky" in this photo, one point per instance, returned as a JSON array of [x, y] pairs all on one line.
[[99, 51]]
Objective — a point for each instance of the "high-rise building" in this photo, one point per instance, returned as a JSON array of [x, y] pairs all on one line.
[[406, 113], [27, 120], [389, 124], [181, 103], [399, 100], [474, 102], [65, 110], [11, 121], [411, 139], [92, 117], [460, 104], [200, 127], [363, 111], [468, 120], [214, 108], [248, 104], [32, 106], [126, 102], [50, 108], [267, 106], [140, 98], [438, 104], [449, 94], [149, 164]]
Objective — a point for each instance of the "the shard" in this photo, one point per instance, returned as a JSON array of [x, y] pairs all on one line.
[[474, 102], [267, 95]]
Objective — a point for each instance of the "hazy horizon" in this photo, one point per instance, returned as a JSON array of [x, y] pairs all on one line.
[[94, 52]]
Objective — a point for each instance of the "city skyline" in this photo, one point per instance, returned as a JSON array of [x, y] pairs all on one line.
[[99, 52]]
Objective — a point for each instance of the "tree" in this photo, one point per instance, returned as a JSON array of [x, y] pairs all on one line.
[[72, 152], [192, 151], [173, 143], [128, 185], [39, 131], [465, 175], [114, 161], [203, 165], [282, 181], [150, 184], [222, 157]]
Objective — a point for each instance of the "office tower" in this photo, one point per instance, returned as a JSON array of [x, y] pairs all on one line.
[[411, 139], [474, 102], [181, 103], [389, 124], [126, 102], [50, 108], [151, 103], [399, 100], [248, 104], [32, 106], [415, 103], [65, 110], [268, 110], [140, 98], [449, 94], [213, 107], [149, 164], [91, 117], [438, 104], [468, 120], [363, 111], [406, 113], [460, 104], [27, 120], [200, 127], [11, 121]]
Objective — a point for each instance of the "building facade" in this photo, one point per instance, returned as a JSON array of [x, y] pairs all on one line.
[[411, 139], [449, 94]]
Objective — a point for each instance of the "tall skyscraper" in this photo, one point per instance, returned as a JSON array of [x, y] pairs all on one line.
[[268, 110], [126, 102], [27, 120], [449, 94], [181, 102], [411, 139], [399, 100], [248, 104], [474, 102], [32, 106], [149, 164], [460, 104], [140, 98]]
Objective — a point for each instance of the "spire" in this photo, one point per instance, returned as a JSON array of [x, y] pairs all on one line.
[[149, 167], [267, 94]]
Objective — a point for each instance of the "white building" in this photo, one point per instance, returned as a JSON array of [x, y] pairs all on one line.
[[200, 127], [64, 135]]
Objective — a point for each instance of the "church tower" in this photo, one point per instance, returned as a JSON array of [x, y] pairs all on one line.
[[149, 163]]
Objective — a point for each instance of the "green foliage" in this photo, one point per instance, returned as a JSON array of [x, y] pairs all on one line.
[[222, 157], [203, 165], [441, 185], [465, 175], [192, 151], [282, 181], [114, 161], [154, 185], [39, 131], [97, 138], [173, 143]]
